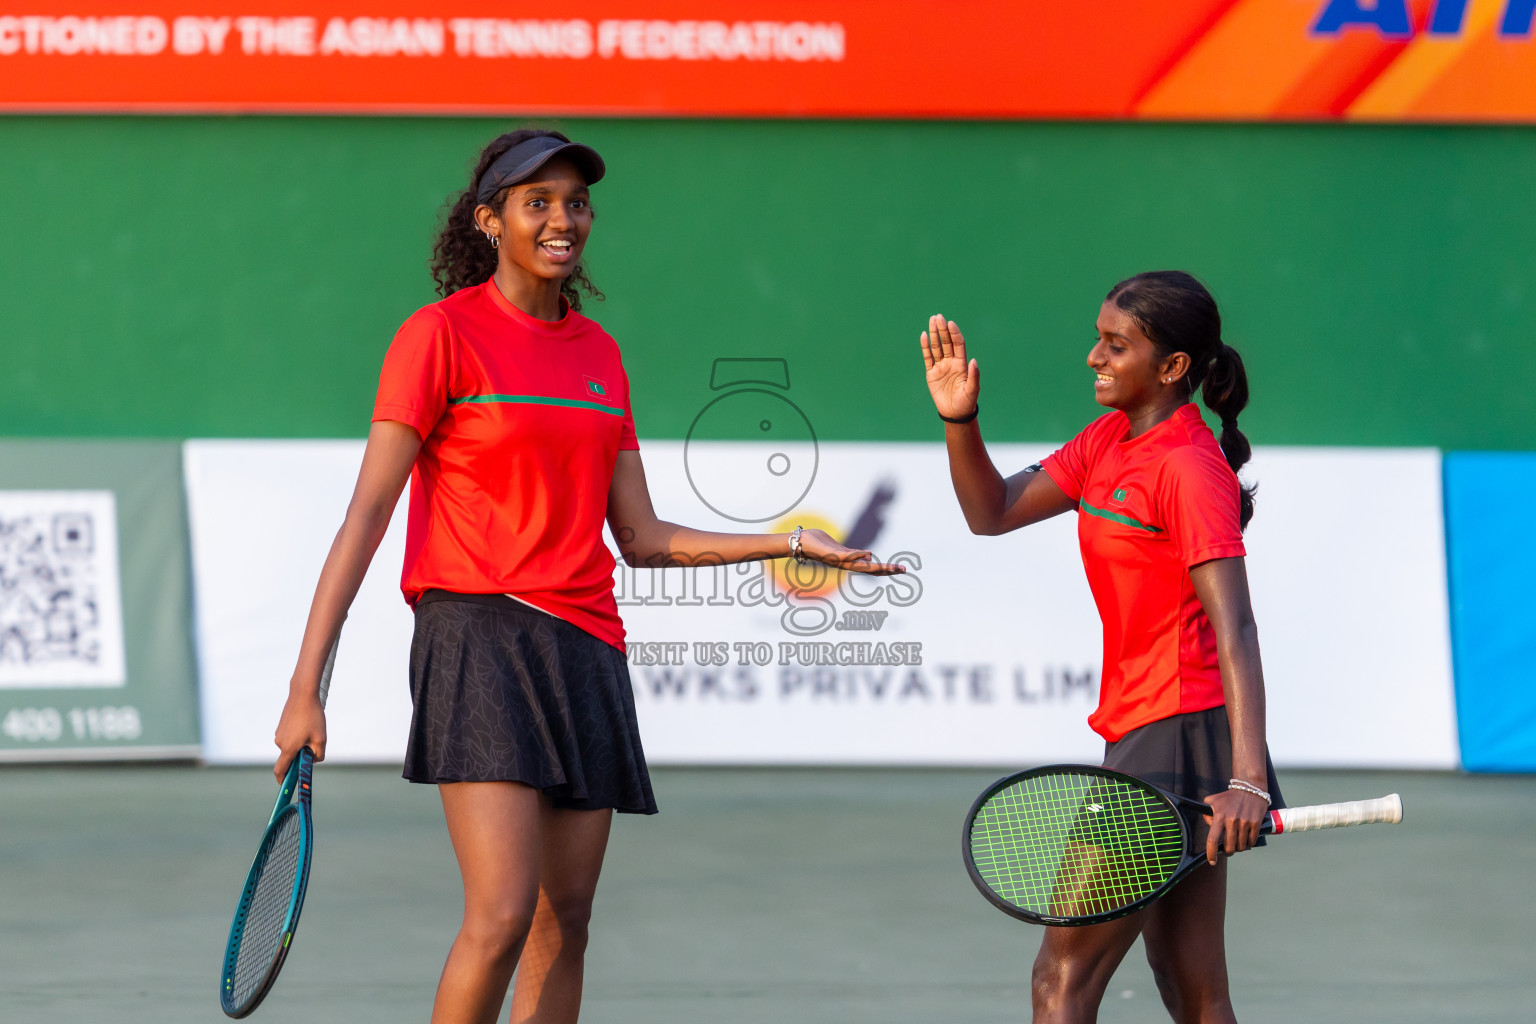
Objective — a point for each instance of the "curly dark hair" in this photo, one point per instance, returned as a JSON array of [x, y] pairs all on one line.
[[463, 258]]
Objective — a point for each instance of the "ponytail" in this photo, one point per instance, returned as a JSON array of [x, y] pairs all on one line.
[[462, 257], [1225, 393], [1178, 314]]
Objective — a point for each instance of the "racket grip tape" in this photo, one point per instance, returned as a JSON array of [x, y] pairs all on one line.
[[1385, 810], [330, 665]]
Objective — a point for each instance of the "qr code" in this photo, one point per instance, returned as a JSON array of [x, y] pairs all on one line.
[[60, 607]]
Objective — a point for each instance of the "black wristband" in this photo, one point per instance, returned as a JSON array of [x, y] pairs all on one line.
[[962, 419]]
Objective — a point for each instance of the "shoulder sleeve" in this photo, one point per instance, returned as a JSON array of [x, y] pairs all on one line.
[[1198, 498], [413, 386], [629, 441], [1068, 466]]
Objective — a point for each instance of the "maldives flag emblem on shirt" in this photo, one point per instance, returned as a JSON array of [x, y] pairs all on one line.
[[595, 387]]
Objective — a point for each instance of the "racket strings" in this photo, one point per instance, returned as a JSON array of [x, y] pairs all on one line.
[[1075, 845], [1140, 869], [267, 913]]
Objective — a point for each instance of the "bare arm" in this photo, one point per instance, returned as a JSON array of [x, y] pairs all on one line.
[[1222, 587], [387, 463], [991, 504], [645, 540]]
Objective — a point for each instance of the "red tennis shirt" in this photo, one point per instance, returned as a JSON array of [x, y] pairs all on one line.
[[1149, 508], [521, 422]]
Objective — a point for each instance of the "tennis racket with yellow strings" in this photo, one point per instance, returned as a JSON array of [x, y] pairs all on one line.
[[1072, 844]]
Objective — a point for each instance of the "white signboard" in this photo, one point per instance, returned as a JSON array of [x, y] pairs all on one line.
[[986, 652], [1346, 561], [263, 515], [989, 651], [61, 613]]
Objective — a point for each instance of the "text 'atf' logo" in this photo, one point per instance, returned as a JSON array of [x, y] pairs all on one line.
[[1402, 19]]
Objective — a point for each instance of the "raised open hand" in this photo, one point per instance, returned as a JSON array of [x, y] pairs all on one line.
[[953, 382]]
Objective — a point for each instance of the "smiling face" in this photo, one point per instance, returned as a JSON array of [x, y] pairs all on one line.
[[544, 225], [1129, 373]]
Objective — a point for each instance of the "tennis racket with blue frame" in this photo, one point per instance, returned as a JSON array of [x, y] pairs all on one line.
[[1071, 844], [268, 912]]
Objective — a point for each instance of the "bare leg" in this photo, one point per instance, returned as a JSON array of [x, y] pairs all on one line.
[[548, 989], [1074, 967], [495, 830], [1185, 936]]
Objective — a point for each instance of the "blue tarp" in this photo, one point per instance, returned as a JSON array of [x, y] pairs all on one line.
[[1490, 508]]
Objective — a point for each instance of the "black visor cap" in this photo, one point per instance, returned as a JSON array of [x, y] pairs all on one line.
[[521, 161]]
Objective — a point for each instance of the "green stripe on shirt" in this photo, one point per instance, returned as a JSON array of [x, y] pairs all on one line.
[[570, 403], [1116, 517]]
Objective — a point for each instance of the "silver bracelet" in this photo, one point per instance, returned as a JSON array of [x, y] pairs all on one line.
[[1248, 787], [795, 551]]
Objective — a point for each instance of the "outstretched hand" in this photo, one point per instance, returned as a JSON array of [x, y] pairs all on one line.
[[818, 546], [953, 381]]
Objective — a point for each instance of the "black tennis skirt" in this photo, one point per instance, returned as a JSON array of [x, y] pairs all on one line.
[[1190, 755], [503, 692]]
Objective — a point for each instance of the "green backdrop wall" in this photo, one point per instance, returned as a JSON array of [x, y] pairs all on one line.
[[242, 276]]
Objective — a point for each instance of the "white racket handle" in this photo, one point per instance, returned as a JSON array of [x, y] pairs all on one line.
[[1387, 809], [330, 664]]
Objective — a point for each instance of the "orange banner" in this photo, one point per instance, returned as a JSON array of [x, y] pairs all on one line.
[[1398, 60]]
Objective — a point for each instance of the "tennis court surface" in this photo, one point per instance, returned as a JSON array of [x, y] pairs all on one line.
[[756, 896]]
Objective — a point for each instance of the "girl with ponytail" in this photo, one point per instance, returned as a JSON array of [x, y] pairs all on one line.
[[1160, 519]]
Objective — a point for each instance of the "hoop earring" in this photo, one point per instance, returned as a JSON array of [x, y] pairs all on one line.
[[495, 241]]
